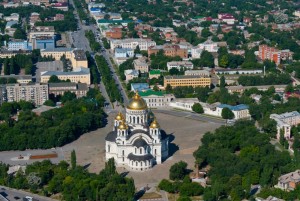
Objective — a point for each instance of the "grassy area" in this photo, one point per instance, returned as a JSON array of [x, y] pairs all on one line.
[[151, 196]]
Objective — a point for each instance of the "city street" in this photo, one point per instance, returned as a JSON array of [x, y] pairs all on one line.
[[80, 41], [18, 195]]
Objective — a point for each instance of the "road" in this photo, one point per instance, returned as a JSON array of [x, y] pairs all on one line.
[[17, 195], [80, 41]]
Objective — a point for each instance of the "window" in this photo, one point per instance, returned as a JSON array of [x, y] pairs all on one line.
[[108, 148], [141, 150]]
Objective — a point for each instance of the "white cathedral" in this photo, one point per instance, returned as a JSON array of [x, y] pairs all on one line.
[[136, 142]]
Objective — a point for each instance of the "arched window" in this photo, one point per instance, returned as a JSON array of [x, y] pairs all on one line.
[[155, 151], [138, 120], [108, 148], [132, 163], [141, 150], [136, 163], [155, 132], [141, 164], [133, 120], [135, 150], [123, 152]]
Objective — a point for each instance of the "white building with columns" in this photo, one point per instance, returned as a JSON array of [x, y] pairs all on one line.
[[136, 142]]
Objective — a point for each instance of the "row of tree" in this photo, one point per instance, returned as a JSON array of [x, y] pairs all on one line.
[[110, 84], [72, 183]]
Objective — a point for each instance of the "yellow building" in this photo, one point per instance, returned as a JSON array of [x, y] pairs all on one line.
[[187, 80], [10, 53], [76, 56], [79, 75]]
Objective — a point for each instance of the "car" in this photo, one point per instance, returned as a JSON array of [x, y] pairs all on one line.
[[17, 198]]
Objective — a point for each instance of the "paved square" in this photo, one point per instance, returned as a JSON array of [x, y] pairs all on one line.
[[185, 139]]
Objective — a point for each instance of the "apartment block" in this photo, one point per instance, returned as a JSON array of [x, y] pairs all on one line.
[[132, 43], [80, 89], [187, 80], [270, 53], [36, 93]]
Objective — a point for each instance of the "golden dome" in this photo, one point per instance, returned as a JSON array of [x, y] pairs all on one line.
[[122, 125], [119, 116], [154, 124], [137, 103]]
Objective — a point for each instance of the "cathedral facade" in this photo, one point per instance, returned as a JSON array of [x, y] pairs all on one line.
[[136, 142]]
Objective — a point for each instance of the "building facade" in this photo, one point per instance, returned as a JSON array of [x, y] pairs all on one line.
[[180, 65], [187, 80], [289, 181], [81, 75], [141, 64], [80, 89], [132, 43], [36, 93], [270, 53], [156, 99], [136, 142], [18, 45], [285, 122]]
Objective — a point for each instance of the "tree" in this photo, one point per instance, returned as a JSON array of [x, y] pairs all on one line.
[[68, 96], [222, 82], [197, 107], [184, 198], [137, 50], [227, 113], [224, 61], [155, 88], [107, 16], [20, 34], [73, 159], [53, 79], [168, 88], [6, 67], [49, 103], [178, 171]]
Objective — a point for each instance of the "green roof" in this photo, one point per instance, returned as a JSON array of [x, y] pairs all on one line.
[[199, 17], [154, 72], [113, 21], [150, 92]]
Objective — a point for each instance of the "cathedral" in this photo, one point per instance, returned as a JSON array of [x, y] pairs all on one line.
[[136, 142]]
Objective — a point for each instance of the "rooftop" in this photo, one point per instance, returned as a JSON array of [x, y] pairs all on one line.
[[154, 72], [183, 76], [77, 71], [150, 93], [235, 108]]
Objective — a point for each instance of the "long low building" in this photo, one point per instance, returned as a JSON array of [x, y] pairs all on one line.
[[80, 89], [10, 53], [81, 75], [156, 98], [21, 79], [132, 43], [187, 80]]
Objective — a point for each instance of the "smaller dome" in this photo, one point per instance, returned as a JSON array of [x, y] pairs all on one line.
[[123, 125], [119, 116], [154, 124]]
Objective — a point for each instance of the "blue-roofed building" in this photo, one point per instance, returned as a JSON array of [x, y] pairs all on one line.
[[43, 42], [139, 87], [95, 10], [124, 52], [18, 45], [240, 111]]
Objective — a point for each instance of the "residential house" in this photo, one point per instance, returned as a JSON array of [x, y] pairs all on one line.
[[289, 181]]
